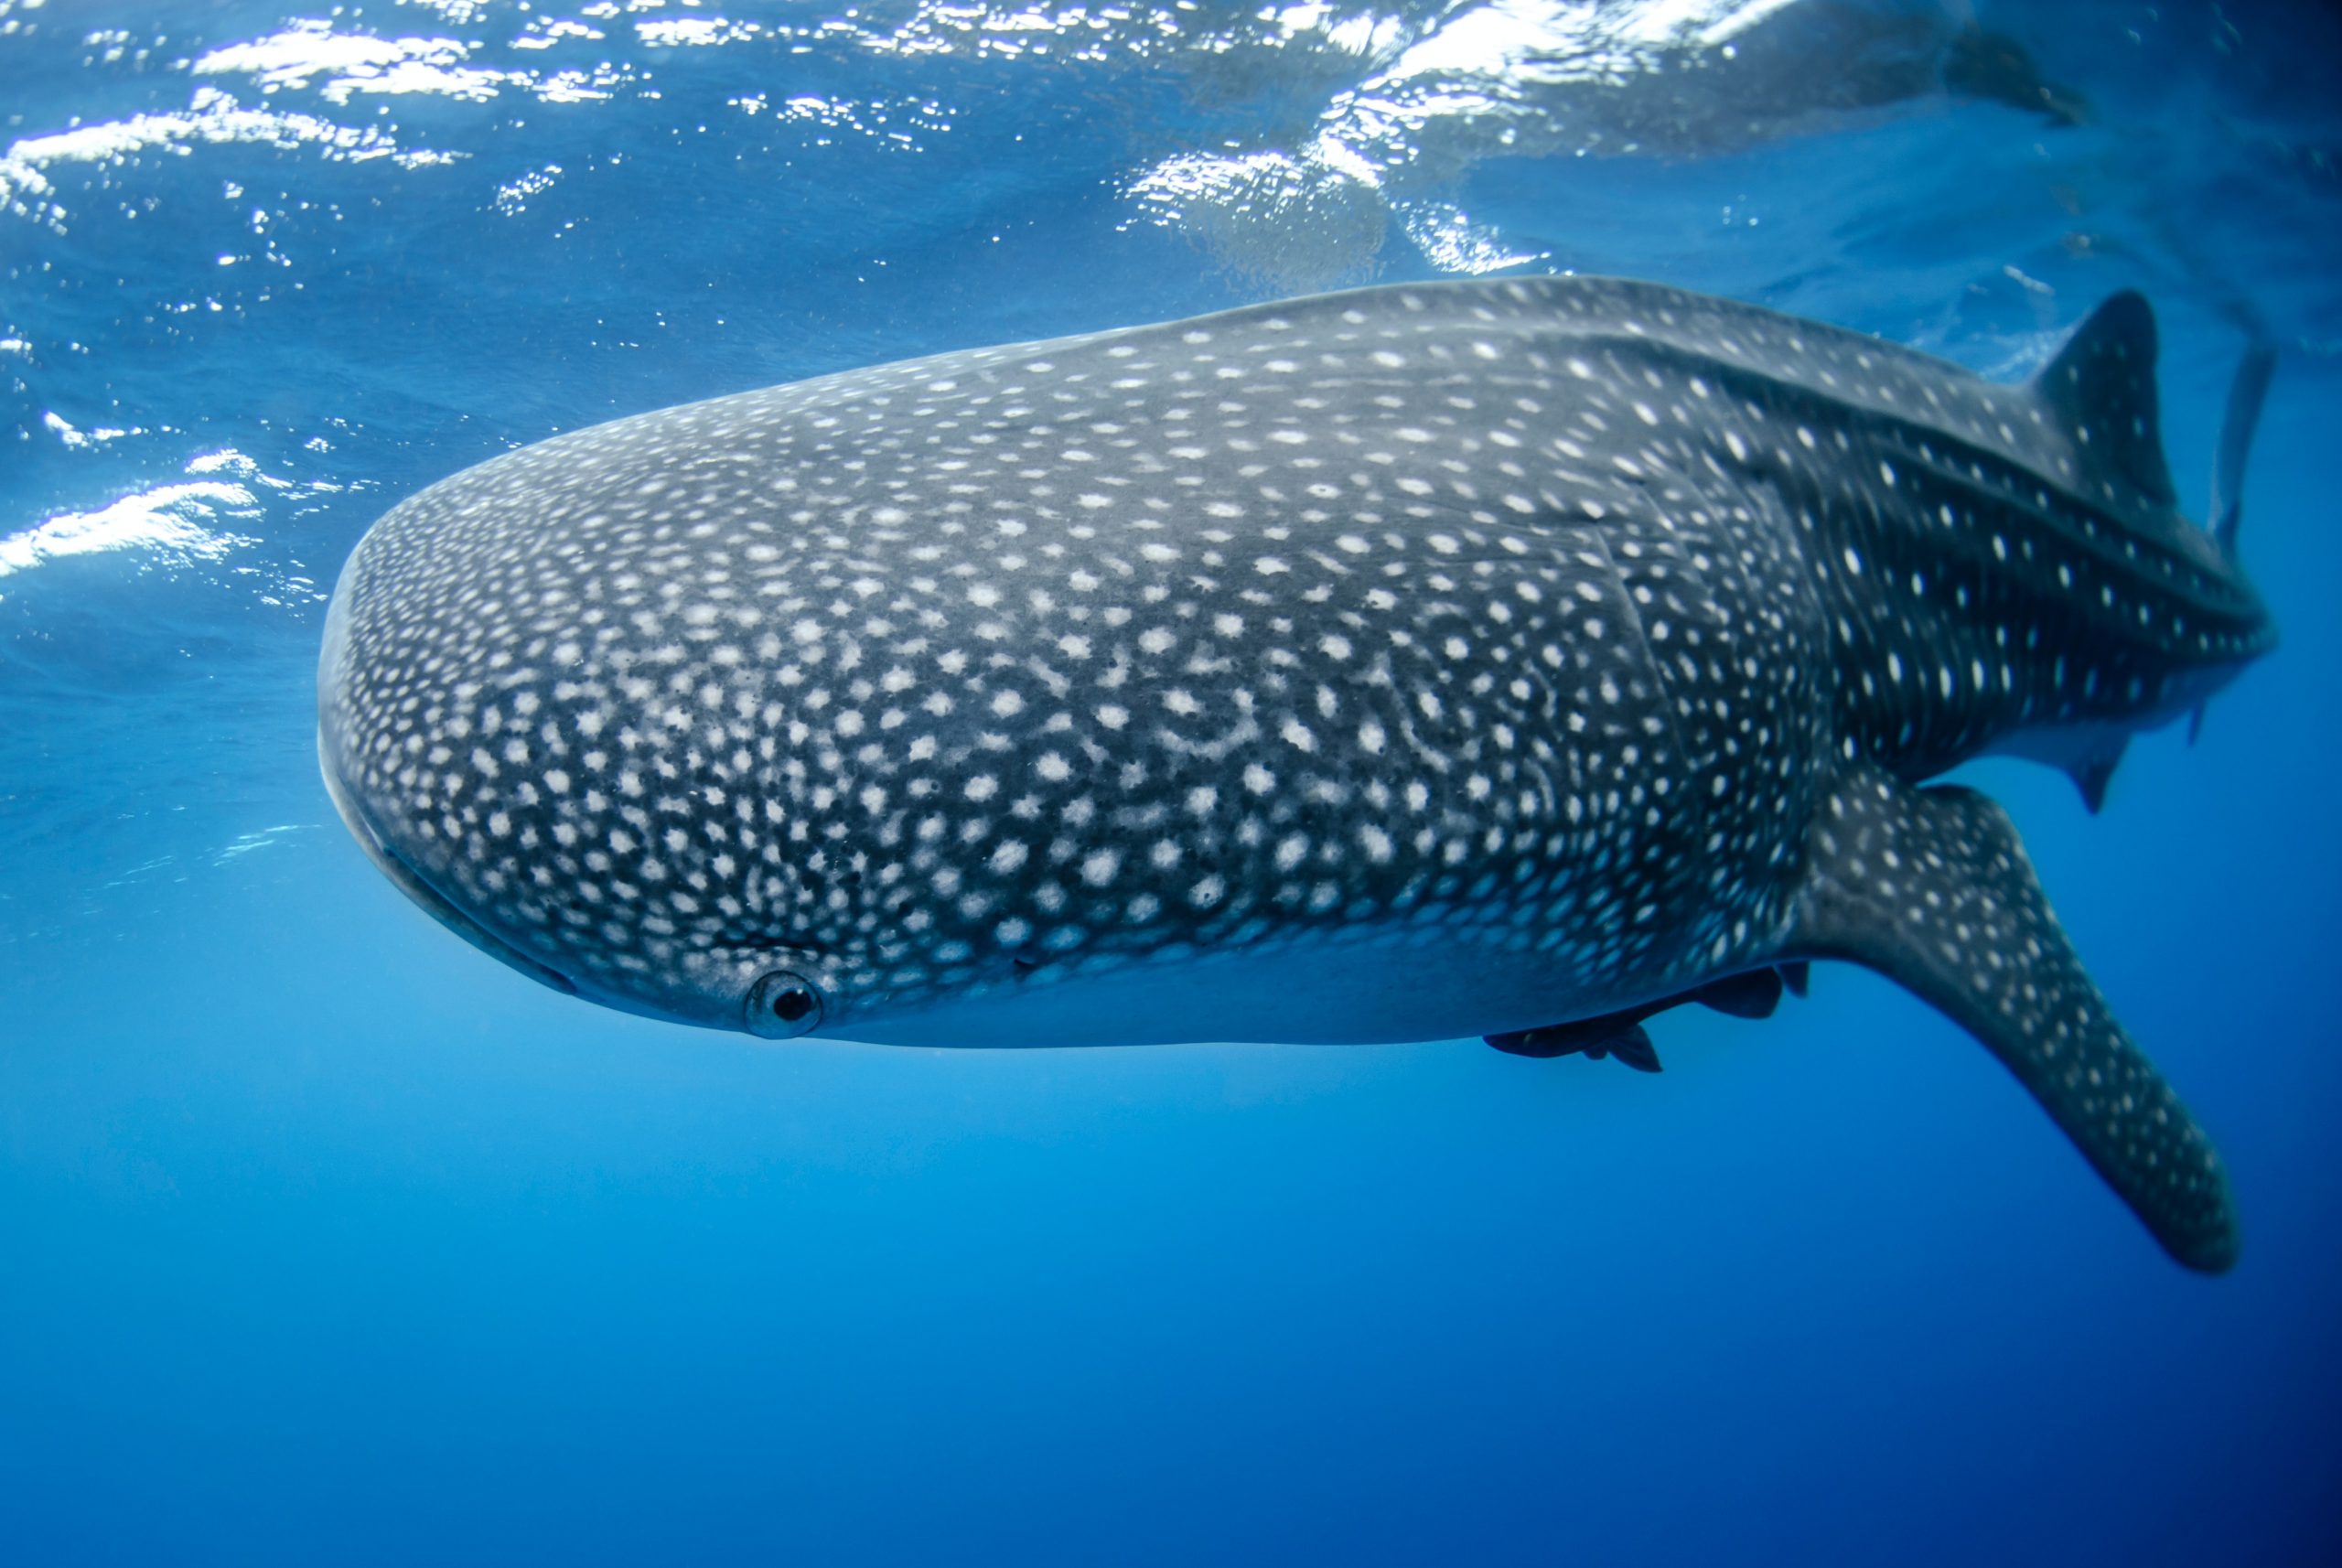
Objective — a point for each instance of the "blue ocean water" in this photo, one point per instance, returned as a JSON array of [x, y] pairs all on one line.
[[325, 1240]]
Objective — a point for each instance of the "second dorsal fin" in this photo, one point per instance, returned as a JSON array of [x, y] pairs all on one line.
[[2101, 386]]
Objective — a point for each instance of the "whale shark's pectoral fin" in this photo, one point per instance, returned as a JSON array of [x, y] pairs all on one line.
[[1932, 888]]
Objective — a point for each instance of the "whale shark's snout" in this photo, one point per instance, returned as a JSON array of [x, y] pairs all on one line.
[[395, 713], [332, 727], [403, 877], [1514, 658]]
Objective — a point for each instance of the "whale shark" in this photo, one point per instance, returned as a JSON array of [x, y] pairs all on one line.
[[1504, 658]]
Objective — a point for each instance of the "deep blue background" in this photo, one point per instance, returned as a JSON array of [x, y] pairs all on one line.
[[324, 1240]]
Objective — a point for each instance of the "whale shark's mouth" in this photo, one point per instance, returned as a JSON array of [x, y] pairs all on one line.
[[410, 882]]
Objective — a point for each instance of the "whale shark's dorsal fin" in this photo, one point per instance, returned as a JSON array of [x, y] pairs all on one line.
[[1932, 888], [2101, 386]]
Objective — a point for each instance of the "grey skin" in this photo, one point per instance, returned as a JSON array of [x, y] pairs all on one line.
[[1492, 657]]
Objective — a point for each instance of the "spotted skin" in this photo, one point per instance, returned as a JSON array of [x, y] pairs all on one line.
[[1403, 663], [1932, 888]]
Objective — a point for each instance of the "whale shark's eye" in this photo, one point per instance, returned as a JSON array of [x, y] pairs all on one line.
[[782, 1005]]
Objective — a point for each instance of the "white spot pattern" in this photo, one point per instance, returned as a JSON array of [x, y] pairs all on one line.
[[1516, 610]]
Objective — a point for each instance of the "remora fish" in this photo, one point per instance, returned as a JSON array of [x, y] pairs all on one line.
[[1498, 657]]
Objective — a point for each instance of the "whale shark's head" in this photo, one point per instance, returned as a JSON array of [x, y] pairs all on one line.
[[490, 791], [396, 771]]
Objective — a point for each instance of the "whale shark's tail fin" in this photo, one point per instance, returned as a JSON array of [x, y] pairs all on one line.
[[1932, 888], [2247, 391], [2246, 394]]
